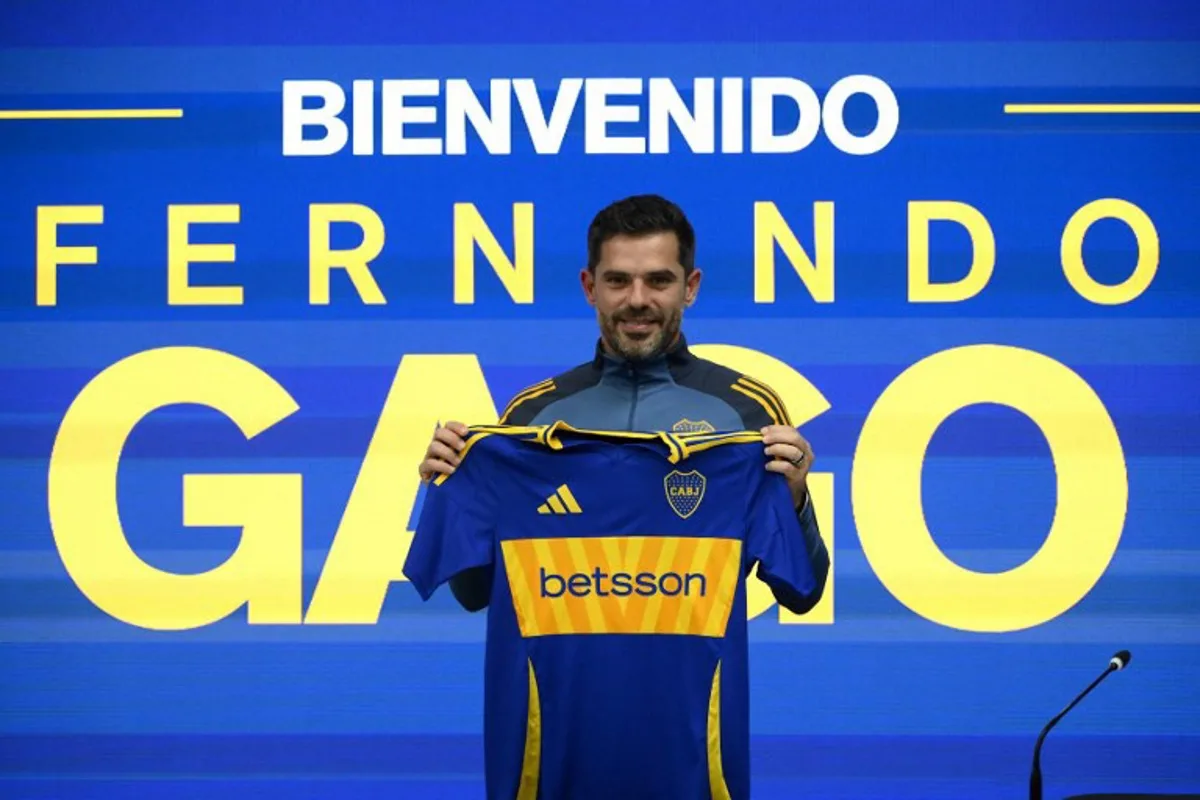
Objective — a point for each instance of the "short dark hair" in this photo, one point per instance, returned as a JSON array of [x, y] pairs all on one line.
[[642, 215]]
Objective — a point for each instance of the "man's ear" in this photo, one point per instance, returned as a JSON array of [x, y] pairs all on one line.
[[692, 287], [587, 279]]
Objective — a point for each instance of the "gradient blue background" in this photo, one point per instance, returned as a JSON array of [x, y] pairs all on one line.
[[880, 704]]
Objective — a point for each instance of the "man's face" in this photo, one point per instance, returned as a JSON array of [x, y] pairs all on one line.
[[639, 292]]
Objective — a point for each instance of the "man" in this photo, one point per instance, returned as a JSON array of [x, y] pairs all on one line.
[[640, 276]]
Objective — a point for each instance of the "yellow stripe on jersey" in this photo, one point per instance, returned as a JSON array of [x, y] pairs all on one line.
[[760, 398], [477, 432], [525, 395], [732, 436], [531, 763], [774, 396], [677, 450], [508, 430], [565, 427], [774, 399], [549, 437], [622, 584], [531, 389], [472, 438], [716, 768], [709, 443]]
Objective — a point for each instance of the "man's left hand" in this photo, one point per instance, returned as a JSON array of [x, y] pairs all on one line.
[[793, 458]]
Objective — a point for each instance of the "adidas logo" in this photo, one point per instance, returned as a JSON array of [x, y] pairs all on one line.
[[561, 502]]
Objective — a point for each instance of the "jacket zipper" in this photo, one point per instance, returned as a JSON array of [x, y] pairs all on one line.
[[633, 406]]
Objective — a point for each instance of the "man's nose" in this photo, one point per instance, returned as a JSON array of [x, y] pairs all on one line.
[[638, 296]]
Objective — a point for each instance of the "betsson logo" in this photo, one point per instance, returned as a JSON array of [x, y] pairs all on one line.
[[316, 123]]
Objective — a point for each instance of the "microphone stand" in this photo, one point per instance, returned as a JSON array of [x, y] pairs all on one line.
[[1035, 779]]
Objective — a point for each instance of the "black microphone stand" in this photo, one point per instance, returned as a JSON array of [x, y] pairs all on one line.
[[1035, 779]]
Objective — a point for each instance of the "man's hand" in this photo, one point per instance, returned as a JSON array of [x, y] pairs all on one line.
[[441, 457], [793, 458]]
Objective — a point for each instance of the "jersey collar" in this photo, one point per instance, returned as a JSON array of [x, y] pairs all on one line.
[[559, 434], [678, 446]]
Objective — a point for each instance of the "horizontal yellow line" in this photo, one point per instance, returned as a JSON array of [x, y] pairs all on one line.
[[1102, 108], [94, 113]]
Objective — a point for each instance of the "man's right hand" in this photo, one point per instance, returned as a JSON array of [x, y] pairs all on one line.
[[441, 457]]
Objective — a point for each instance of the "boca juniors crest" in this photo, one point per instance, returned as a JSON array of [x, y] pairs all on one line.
[[685, 490]]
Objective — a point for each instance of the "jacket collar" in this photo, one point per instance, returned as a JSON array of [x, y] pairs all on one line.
[[677, 355]]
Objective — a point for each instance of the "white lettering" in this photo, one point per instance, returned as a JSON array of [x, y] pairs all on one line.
[[547, 136], [396, 115], [296, 117], [364, 118], [731, 115], [612, 121], [697, 128], [599, 114], [763, 138], [494, 130], [833, 115]]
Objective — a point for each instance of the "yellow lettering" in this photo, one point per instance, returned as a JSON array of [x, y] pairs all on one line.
[[804, 402], [983, 246], [50, 254], [372, 541], [265, 570], [1072, 252], [181, 252], [770, 228], [471, 229], [356, 261], [1091, 484], [267, 567]]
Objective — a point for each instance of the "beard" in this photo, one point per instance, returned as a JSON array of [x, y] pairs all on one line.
[[638, 346]]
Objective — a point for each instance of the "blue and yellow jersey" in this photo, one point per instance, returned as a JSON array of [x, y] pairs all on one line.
[[616, 649]]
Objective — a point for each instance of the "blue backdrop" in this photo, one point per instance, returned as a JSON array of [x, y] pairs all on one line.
[[927, 673]]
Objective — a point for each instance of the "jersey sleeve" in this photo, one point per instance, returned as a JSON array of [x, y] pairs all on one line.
[[787, 546], [455, 531]]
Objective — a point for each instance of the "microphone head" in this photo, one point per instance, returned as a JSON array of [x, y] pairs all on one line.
[[1120, 660]]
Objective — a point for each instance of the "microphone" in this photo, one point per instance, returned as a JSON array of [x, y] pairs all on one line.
[[1119, 661]]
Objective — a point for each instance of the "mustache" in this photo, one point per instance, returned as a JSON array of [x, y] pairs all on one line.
[[637, 316]]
